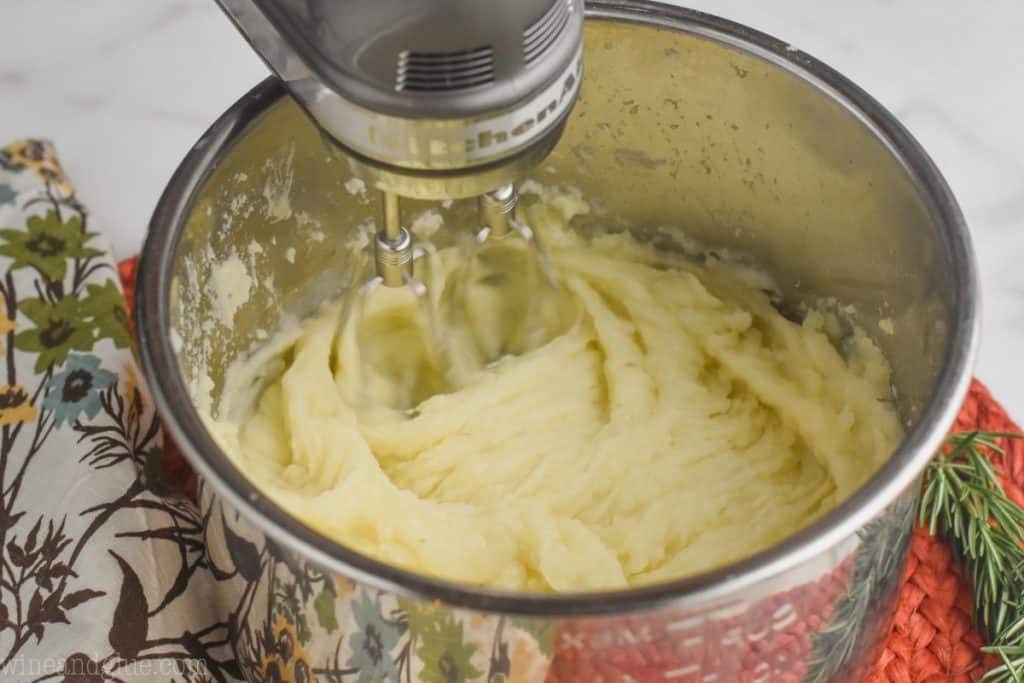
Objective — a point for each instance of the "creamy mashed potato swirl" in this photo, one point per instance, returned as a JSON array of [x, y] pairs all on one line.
[[669, 422]]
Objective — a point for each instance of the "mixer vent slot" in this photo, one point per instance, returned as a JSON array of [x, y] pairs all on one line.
[[444, 71], [542, 34]]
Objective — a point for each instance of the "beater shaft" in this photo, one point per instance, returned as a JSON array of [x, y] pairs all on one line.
[[393, 251], [392, 216], [496, 210]]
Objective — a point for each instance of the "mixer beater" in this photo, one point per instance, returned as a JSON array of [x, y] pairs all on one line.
[[433, 99], [397, 258]]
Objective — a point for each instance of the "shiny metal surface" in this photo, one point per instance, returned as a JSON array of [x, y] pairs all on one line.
[[392, 247], [729, 138], [394, 258], [446, 85], [497, 209]]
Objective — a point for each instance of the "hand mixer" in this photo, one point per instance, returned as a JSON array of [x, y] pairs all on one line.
[[429, 99]]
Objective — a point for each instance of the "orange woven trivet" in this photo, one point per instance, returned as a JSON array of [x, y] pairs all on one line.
[[931, 639]]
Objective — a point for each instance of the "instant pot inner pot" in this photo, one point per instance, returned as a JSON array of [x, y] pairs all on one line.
[[673, 131]]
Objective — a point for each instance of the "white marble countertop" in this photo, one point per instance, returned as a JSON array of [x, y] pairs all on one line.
[[125, 87]]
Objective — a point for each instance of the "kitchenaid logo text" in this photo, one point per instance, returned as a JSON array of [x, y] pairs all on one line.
[[491, 134], [487, 138]]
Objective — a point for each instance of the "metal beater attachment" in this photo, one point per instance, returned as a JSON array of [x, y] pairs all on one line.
[[416, 370], [507, 288], [498, 214], [393, 251], [496, 210]]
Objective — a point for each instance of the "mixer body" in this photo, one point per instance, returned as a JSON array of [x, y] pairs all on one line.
[[434, 99]]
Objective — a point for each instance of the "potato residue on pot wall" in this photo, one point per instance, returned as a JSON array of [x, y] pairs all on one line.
[[670, 422]]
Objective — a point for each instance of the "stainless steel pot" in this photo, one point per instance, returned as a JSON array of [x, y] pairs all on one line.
[[685, 120]]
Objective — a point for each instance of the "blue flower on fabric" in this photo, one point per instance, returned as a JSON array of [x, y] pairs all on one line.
[[76, 389], [372, 643], [7, 194]]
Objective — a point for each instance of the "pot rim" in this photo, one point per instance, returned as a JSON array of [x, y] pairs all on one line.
[[900, 472]]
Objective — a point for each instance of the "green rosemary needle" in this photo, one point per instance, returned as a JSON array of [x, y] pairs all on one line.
[[964, 501]]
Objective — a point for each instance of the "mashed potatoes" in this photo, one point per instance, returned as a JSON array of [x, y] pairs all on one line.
[[666, 421]]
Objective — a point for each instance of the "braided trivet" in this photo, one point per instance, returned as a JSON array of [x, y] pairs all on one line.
[[931, 639]]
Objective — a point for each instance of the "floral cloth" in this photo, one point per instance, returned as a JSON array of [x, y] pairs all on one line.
[[103, 575]]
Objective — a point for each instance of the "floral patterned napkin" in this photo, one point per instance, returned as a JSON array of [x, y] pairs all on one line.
[[103, 575]]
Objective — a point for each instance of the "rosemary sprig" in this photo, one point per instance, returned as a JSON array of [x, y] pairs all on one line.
[[964, 501], [876, 567]]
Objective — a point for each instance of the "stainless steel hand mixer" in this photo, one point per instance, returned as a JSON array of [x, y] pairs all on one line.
[[429, 99]]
